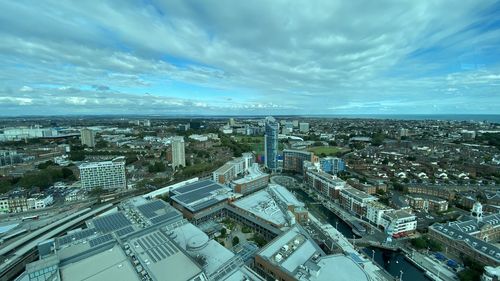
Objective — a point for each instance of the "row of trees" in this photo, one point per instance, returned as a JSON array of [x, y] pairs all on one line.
[[236, 148], [43, 178]]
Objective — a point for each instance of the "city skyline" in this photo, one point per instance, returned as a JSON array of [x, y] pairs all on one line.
[[213, 58]]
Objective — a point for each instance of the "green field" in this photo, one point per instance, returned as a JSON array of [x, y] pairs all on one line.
[[256, 142], [326, 150]]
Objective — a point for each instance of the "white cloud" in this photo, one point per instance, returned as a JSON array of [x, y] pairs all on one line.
[[310, 57]]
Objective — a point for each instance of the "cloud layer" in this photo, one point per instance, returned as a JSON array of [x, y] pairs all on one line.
[[260, 57]]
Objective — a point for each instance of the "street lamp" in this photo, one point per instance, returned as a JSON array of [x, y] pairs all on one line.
[[337, 224], [373, 255], [401, 275]]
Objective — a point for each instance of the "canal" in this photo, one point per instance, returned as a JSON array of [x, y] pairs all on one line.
[[393, 262], [324, 214]]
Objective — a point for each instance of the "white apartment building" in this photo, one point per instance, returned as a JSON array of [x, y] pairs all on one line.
[[4, 205], [40, 202], [233, 168], [178, 152], [374, 212], [399, 222], [106, 175], [87, 137]]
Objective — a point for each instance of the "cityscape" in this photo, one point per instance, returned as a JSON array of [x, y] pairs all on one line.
[[206, 141]]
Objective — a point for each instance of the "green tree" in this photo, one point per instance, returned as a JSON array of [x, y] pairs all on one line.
[[419, 243], [236, 240]]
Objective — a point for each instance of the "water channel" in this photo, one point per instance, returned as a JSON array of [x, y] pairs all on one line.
[[393, 262]]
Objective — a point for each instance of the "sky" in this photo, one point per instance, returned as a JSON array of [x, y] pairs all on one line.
[[226, 57]]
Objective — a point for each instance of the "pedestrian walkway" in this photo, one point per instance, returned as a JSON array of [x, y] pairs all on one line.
[[439, 271]]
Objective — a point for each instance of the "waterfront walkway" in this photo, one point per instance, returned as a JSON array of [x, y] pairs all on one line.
[[438, 270]]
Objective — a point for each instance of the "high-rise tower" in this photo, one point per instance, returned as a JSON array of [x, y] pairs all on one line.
[[271, 143]]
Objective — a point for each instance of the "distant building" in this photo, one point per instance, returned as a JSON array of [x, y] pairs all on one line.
[[332, 165], [106, 175], [87, 137], [10, 157], [40, 202], [271, 143], [304, 127], [293, 160], [178, 152], [427, 203]]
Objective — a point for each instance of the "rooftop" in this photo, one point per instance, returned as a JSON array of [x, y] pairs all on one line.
[[262, 205], [201, 194], [450, 230], [253, 173]]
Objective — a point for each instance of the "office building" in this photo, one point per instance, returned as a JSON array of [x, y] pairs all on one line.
[[178, 152], [87, 137], [106, 174], [271, 143], [293, 160]]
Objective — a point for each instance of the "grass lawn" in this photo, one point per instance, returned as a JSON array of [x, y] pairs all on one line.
[[256, 142], [327, 150]]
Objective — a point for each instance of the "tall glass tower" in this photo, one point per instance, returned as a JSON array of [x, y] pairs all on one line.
[[271, 143]]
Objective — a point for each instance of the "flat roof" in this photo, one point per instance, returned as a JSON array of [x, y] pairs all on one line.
[[202, 194], [340, 266], [110, 264], [253, 173], [358, 193], [263, 206], [162, 257]]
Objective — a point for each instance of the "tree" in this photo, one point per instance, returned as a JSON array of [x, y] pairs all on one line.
[[45, 165], [67, 173], [236, 240], [5, 185], [223, 232], [419, 243]]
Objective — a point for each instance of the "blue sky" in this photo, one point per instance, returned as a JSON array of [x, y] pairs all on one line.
[[260, 57]]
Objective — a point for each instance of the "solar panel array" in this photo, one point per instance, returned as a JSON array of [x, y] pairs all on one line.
[[76, 236], [125, 231], [149, 209], [165, 217], [100, 240], [157, 246], [111, 222]]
